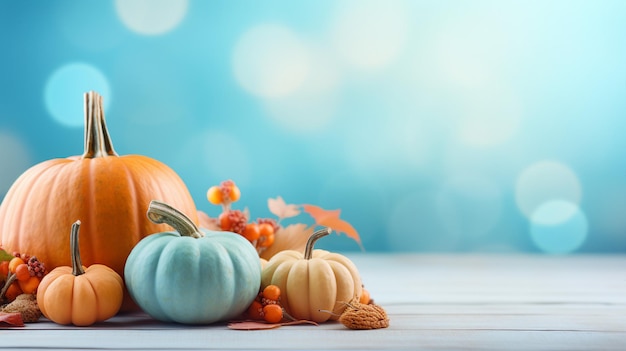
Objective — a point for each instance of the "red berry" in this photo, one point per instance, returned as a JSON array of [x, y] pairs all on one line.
[[36, 267], [233, 221], [230, 191]]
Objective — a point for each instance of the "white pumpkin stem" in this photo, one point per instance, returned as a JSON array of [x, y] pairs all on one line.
[[160, 212], [77, 264], [97, 139], [308, 249]]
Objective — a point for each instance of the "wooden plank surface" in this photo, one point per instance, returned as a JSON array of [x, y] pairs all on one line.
[[435, 302]]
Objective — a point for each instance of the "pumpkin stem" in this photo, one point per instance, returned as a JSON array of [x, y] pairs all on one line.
[[159, 212], [97, 139], [77, 264], [308, 249]]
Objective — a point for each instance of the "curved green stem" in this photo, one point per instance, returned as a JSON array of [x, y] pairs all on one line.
[[77, 264], [308, 249], [160, 212], [97, 139]]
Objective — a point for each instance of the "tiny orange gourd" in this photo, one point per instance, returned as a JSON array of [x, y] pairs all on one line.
[[80, 295]]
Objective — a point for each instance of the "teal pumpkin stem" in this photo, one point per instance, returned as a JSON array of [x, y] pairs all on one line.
[[77, 264], [160, 212], [308, 249]]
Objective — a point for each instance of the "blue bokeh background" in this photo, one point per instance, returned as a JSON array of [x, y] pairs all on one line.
[[435, 126]]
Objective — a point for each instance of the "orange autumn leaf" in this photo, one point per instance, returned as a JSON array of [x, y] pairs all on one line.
[[281, 209], [330, 218]]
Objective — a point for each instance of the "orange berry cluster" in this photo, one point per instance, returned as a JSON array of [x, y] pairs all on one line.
[[22, 274], [260, 233], [267, 305], [223, 194]]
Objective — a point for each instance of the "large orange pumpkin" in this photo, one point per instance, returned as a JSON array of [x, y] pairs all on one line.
[[109, 193]]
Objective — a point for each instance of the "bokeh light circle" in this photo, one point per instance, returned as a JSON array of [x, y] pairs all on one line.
[[558, 227], [271, 61], [14, 158], [370, 34], [65, 89], [546, 181], [313, 105], [151, 17]]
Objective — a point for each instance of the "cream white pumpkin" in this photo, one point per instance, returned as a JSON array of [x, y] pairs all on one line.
[[315, 285]]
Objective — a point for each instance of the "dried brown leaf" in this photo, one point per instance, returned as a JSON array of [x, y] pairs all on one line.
[[255, 325], [291, 237], [207, 222], [11, 319]]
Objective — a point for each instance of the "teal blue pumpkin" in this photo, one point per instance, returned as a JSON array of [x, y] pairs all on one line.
[[191, 276]]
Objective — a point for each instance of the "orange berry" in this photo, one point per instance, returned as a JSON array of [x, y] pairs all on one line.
[[30, 285], [230, 191], [15, 261], [271, 292], [21, 272], [272, 313], [224, 220], [255, 311], [13, 291], [214, 195], [365, 297], [4, 268], [251, 232], [234, 193], [266, 241], [266, 229]]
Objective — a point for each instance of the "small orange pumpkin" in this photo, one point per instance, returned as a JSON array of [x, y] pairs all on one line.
[[112, 191], [78, 295]]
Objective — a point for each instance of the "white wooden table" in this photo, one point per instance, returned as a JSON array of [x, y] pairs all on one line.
[[435, 302]]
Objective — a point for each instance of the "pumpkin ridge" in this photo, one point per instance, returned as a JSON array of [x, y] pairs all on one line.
[[83, 287], [24, 223], [27, 198], [149, 246], [92, 174], [166, 301], [132, 189], [221, 260], [298, 280], [21, 187], [345, 290], [239, 265], [95, 294], [322, 288]]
